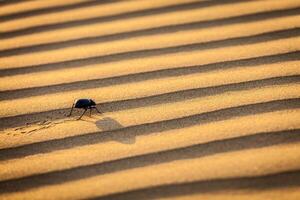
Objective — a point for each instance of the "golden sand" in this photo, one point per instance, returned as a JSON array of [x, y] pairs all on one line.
[[200, 99]]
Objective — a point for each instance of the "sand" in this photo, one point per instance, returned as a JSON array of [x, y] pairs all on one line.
[[199, 99]]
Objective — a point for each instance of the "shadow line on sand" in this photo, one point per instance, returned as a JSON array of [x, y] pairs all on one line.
[[127, 135], [257, 140], [82, 22], [139, 77], [51, 9], [259, 183], [150, 31], [9, 2], [85, 62], [126, 104]]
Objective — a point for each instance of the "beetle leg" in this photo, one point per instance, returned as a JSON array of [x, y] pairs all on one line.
[[97, 110], [82, 114], [90, 111], [71, 111]]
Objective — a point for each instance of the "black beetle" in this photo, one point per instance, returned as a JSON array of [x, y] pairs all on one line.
[[84, 104]]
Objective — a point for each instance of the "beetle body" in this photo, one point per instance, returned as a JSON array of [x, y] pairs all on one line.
[[84, 104]]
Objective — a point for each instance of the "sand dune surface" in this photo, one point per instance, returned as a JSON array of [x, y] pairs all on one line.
[[199, 99]]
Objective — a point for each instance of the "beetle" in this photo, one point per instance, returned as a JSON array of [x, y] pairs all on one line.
[[84, 104]]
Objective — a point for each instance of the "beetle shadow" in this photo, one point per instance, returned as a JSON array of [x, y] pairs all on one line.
[[109, 124]]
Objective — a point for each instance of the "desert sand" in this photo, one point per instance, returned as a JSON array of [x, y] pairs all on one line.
[[200, 99]]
